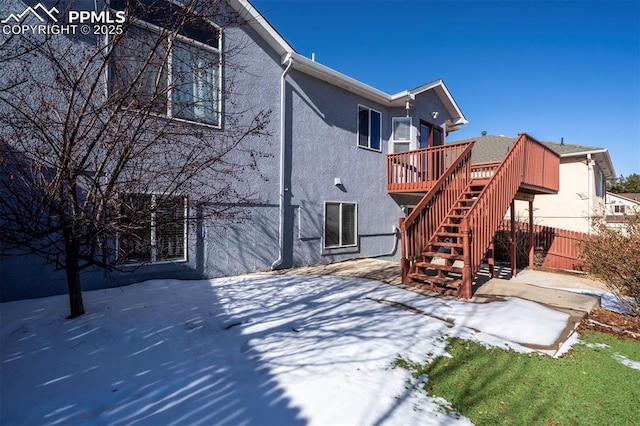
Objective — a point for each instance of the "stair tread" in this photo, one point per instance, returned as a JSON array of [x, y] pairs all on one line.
[[438, 267], [446, 244], [449, 282], [443, 255], [448, 234]]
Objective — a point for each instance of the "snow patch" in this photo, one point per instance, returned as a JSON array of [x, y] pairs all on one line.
[[245, 350]]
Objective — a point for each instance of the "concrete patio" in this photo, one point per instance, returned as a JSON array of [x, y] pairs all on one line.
[[542, 287]]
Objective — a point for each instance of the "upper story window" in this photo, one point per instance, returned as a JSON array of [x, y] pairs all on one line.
[[168, 73], [369, 128], [401, 133], [430, 135]]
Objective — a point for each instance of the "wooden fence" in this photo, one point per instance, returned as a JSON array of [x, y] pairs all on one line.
[[555, 248]]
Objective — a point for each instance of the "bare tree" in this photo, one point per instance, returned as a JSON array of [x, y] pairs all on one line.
[[109, 145], [613, 255]]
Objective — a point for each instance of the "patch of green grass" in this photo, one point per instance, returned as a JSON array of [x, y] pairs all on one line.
[[493, 386]]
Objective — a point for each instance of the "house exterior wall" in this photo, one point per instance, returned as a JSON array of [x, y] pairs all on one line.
[[320, 146], [214, 247], [322, 135], [581, 194]]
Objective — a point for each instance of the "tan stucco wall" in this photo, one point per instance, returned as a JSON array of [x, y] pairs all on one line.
[[575, 202]]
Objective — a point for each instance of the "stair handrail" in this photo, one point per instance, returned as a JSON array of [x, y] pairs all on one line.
[[440, 198], [482, 220]]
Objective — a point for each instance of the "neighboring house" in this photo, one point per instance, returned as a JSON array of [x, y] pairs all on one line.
[[324, 193], [620, 205], [583, 174]]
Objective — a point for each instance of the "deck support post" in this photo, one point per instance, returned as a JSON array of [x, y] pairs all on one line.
[[514, 244], [466, 270], [404, 262], [531, 248], [491, 259]]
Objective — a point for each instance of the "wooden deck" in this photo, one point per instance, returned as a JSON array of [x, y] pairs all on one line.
[[417, 171], [447, 234]]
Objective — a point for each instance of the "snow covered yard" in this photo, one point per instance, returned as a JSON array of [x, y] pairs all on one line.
[[267, 350]]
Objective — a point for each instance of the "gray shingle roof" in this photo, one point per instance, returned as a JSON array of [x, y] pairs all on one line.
[[568, 149], [635, 196], [492, 148]]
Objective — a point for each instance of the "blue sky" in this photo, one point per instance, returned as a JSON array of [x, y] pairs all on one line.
[[549, 68]]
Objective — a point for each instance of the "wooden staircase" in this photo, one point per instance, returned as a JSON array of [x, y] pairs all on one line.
[[446, 236], [441, 265]]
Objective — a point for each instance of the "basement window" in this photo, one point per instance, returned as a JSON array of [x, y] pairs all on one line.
[[153, 229], [340, 224]]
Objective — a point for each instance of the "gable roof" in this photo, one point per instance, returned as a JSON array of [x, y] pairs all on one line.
[[287, 54], [492, 148], [633, 197]]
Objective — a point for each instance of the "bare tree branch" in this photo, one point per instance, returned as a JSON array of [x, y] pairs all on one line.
[[89, 127]]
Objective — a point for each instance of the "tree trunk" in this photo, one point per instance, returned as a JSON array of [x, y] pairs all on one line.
[[72, 249]]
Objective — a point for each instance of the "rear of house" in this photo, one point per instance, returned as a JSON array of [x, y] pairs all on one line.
[[319, 183]]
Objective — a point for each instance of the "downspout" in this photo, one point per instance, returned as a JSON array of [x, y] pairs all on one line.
[[590, 190], [279, 260], [396, 239]]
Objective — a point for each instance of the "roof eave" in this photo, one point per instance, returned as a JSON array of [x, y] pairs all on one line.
[[265, 30], [324, 73], [599, 151], [261, 26], [623, 197]]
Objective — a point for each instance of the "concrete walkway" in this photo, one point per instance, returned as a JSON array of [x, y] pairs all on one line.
[[537, 286]]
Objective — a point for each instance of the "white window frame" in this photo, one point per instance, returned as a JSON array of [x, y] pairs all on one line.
[[199, 45], [355, 225], [368, 146], [154, 250], [394, 140]]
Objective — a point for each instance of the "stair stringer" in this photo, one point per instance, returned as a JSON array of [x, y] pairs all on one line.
[[432, 210], [480, 224], [445, 244]]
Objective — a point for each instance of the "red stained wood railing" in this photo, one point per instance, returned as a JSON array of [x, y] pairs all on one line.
[[484, 170], [419, 170], [559, 246], [541, 167], [421, 224], [528, 162]]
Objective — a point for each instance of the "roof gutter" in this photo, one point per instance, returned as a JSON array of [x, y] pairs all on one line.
[[589, 153], [283, 190], [334, 77]]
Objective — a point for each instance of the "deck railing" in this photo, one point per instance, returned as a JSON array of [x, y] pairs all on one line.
[[484, 170], [541, 167], [520, 166], [421, 224], [418, 170]]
